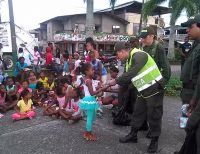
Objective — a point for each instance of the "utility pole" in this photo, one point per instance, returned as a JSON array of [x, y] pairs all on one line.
[[13, 34]]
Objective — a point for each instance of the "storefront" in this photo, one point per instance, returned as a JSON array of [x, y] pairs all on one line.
[[71, 43]]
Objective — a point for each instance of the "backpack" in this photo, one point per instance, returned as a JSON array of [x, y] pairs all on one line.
[[120, 116]]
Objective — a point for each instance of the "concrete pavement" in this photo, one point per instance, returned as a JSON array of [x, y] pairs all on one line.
[[44, 135]]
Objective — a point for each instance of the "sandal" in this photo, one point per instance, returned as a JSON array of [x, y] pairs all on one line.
[[92, 137], [89, 136]]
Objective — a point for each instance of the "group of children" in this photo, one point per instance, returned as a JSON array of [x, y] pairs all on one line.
[[68, 97]]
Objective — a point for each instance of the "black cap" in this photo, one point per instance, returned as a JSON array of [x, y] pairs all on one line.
[[147, 31], [191, 20], [120, 46]]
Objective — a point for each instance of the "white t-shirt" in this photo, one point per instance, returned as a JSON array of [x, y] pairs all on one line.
[[77, 62]]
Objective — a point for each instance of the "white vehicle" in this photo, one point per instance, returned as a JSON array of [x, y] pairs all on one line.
[[24, 40]]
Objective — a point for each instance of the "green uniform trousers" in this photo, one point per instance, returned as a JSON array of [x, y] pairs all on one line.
[[152, 109]]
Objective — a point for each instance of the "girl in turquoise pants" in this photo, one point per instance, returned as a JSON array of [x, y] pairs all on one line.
[[89, 102]]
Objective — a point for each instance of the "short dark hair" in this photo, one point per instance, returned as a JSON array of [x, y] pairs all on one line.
[[24, 93], [90, 40], [198, 25], [49, 43], [36, 48], [134, 42], [11, 77], [20, 50], [84, 67], [121, 46], [25, 81], [20, 58]]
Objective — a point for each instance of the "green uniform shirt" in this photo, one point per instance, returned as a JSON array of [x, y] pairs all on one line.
[[191, 70], [157, 52]]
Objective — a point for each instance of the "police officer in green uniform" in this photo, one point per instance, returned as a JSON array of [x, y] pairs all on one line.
[[190, 77], [143, 73], [156, 51]]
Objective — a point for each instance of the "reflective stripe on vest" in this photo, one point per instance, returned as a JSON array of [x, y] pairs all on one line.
[[147, 76]]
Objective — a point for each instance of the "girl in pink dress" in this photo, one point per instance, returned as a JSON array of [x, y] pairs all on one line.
[[3, 105], [62, 98]]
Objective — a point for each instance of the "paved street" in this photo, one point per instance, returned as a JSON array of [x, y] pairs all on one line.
[[44, 135]]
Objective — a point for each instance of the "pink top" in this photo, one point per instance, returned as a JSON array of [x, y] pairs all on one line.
[[21, 89], [87, 59], [70, 106], [61, 101]]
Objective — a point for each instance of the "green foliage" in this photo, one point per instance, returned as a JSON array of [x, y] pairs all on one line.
[[178, 6], [173, 88]]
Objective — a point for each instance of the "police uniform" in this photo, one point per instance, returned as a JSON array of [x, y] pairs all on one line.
[[190, 77], [143, 73], [157, 52]]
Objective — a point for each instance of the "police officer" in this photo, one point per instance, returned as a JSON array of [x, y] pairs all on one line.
[[190, 77], [144, 74], [156, 51]]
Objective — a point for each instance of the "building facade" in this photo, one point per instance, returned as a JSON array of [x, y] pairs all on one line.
[[69, 31]]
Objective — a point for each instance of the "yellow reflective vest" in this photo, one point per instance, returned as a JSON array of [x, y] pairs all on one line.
[[147, 76]]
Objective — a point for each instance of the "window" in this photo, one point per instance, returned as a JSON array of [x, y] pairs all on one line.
[[115, 29]]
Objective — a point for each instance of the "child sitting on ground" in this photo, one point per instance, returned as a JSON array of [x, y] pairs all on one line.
[[40, 95], [76, 112], [24, 108], [52, 106], [50, 82], [61, 97], [24, 85], [44, 80], [77, 78], [32, 81], [11, 90], [113, 98], [3, 106]]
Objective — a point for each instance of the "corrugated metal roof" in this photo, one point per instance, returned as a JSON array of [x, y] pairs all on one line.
[[161, 9]]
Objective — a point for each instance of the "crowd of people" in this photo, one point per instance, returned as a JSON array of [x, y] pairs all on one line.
[[77, 87], [74, 90]]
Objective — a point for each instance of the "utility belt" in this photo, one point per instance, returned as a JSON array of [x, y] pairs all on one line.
[[153, 90], [189, 85]]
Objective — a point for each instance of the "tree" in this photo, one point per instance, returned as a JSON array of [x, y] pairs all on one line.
[[90, 16], [178, 6], [141, 14]]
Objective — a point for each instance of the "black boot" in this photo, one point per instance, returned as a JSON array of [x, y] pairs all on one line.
[[148, 135], [153, 147], [131, 137]]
